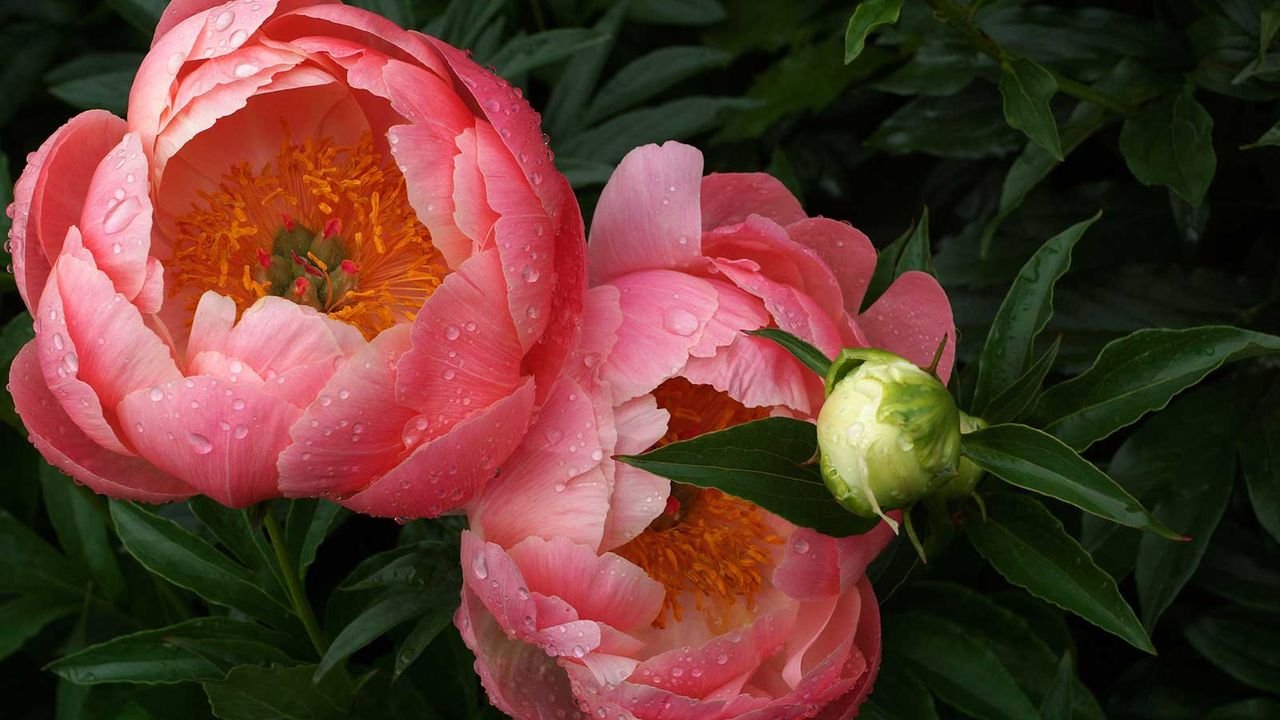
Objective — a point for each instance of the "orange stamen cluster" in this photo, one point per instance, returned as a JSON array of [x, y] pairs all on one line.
[[709, 545], [224, 243]]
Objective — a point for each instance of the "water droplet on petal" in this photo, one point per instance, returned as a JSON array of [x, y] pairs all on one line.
[[681, 322], [200, 444], [223, 20]]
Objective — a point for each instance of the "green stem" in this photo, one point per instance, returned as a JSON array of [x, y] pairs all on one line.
[[297, 594], [961, 18]]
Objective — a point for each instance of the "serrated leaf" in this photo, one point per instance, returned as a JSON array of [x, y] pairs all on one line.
[[80, 519], [1021, 396], [1029, 547], [1169, 142], [531, 52], [1023, 315], [279, 693], [1036, 461], [185, 560], [766, 462], [649, 75], [23, 617], [958, 667], [808, 355], [869, 15], [1243, 643], [1140, 373], [198, 649], [1260, 459], [1027, 89]]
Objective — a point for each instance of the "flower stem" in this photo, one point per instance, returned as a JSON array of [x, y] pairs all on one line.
[[297, 594]]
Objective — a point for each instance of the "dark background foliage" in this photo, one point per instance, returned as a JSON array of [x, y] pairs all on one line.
[[1165, 115]]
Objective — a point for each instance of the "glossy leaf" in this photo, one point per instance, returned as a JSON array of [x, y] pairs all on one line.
[[910, 251], [428, 627], [1029, 547], [766, 462], [649, 75], [1017, 399], [80, 519], [1140, 373], [197, 649], [867, 16], [675, 120], [307, 525], [810, 356], [957, 667], [1244, 644], [534, 51], [1026, 309], [185, 560], [23, 617], [1169, 142], [463, 22], [278, 693], [1036, 461], [1027, 89], [30, 565], [966, 125]]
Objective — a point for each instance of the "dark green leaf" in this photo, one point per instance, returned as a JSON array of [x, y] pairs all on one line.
[[464, 21], [1270, 138], [1027, 89], [1036, 461], [1057, 703], [1260, 458], [1242, 566], [29, 48], [674, 120], [1243, 643], [966, 125], [910, 251], [1169, 142], [237, 533], [80, 519], [1255, 709], [434, 620], [198, 649], [1021, 396], [185, 560], [279, 693], [957, 667], [29, 565], [1024, 313], [766, 462], [898, 695], [566, 109], [1028, 546], [583, 173], [142, 14], [399, 12], [21, 618], [308, 524], [534, 51], [810, 356], [415, 565], [867, 16], [98, 80], [1140, 373], [649, 75], [677, 12]]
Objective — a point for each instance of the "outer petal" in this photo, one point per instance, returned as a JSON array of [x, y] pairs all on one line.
[[116, 220], [42, 213], [910, 319], [648, 217], [638, 497], [71, 451], [341, 446], [455, 465], [221, 439], [728, 198], [844, 249]]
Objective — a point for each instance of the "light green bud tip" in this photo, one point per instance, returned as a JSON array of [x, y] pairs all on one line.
[[968, 474], [889, 433]]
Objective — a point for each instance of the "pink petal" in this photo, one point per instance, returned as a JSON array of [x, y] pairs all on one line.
[[211, 325], [810, 567], [492, 575], [42, 213], [220, 438], [792, 310], [844, 249], [340, 447], [867, 640], [758, 373], [648, 217], [116, 220], [465, 354], [728, 198], [445, 472], [426, 154], [664, 316], [720, 660], [65, 446], [277, 337], [547, 486], [603, 588], [472, 213], [559, 339], [911, 318], [94, 347], [150, 297], [638, 497]]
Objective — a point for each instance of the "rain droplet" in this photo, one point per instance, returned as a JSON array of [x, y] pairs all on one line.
[[244, 69], [480, 567], [241, 432], [681, 322], [451, 332], [156, 394], [224, 20], [529, 273], [119, 217], [200, 444]]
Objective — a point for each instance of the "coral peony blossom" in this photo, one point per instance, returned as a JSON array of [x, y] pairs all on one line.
[[323, 256], [597, 590]]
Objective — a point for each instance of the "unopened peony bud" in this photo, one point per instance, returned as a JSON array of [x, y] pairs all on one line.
[[889, 433]]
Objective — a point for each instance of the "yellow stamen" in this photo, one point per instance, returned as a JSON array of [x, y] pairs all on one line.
[[315, 184], [712, 546]]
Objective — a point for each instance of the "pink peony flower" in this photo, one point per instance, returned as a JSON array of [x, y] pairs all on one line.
[[597, 589], [323, 256]]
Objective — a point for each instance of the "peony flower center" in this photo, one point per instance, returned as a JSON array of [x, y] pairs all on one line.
[[707, 545], [324, 225]]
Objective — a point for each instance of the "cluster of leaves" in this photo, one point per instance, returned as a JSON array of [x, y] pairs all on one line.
[[1011, 121]]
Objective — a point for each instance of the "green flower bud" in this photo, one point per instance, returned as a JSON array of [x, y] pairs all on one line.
[[888, 434], [967, 473]]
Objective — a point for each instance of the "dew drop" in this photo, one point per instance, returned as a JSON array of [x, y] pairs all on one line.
[[223, 20], [451, 332], [241, 432], [156, 394], [200, 444], [681, 322]]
